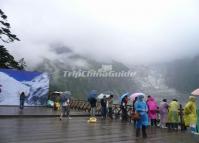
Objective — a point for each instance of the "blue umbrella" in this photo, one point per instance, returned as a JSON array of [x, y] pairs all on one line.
[[121, 97], [92, 94], [65, 96]]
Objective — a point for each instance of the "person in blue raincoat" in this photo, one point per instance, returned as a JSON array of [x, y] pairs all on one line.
[[142, 122]]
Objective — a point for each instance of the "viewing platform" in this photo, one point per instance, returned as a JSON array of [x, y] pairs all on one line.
[[78, 130], [42, 125]]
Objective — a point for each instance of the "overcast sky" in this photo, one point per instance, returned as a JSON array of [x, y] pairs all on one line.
[[130, 31]]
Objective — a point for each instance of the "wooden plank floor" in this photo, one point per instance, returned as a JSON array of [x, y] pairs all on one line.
[[77, 130]]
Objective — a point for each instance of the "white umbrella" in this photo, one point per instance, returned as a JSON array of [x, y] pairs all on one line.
[[100, 96], [196, 92]]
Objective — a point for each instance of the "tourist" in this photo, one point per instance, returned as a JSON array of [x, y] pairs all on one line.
[[110, 107], [92, 100], [22, 100], [142, 122], [133, 108], [190, 116], [104, 107], [65, 108], [152, 110], [163, 113], [173, 118], [0, 88], [124, 108]]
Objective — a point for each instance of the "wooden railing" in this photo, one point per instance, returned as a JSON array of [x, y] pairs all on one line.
[[82, 105]]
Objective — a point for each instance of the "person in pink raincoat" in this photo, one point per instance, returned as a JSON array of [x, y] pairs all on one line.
[[152, 110]]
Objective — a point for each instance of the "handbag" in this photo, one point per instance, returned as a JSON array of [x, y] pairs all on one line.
[[135, 116]]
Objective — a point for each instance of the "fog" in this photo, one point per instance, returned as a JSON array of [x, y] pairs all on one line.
[[129, 31]]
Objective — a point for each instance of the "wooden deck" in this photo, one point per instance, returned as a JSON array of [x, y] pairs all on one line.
[[77, 130]]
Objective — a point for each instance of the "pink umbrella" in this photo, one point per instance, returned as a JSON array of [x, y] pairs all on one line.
[[132, 96], [196, 92]]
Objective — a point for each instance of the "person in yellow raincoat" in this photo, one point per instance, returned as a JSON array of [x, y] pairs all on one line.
[[173, 117], [190, 116]]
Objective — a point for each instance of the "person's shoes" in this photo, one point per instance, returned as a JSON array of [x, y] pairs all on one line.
[[195, 133], [163, 127], [60, 118]]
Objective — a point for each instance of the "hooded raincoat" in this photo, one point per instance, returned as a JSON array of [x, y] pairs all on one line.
[[173, 112], [190, 116], [163, 112], [141, 108], [152, 105]]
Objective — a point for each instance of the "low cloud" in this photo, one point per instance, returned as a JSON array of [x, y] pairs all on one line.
[[133, 32]]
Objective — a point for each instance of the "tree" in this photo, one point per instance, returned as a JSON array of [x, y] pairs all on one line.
[[22, 63], [6, 59]]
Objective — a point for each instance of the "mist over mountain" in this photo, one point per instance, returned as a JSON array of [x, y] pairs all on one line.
[[164, 80], [183, 74], [175, 79], [68, 60]]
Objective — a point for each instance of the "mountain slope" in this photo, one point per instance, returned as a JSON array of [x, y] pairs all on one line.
[[70, 61], [165, 80]]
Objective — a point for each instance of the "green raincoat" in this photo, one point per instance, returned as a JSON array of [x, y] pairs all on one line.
[[173, 112]]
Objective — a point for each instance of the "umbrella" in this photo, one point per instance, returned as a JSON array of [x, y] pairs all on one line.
[[132, 96], [196, 92], [121, 97], [100, 96], [92, 94], [67, 94]]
